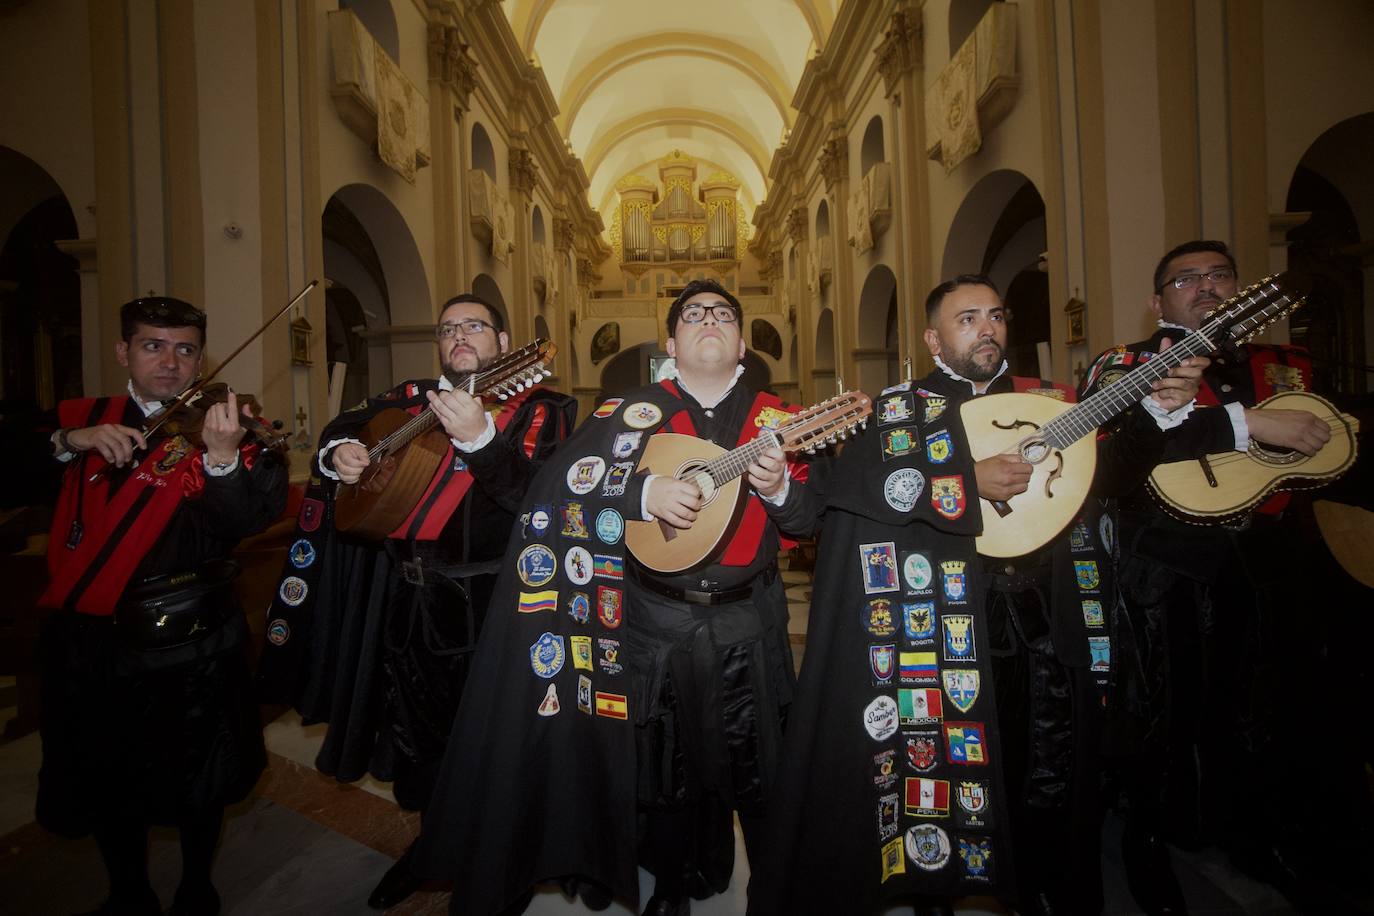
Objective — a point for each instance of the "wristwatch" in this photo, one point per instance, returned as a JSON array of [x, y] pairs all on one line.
[[64, 445]]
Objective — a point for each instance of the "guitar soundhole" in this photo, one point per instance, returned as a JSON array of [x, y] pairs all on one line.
[[1034, 451], [1274, 455], [694, 472]]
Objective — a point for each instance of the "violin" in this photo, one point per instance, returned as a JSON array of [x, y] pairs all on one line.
[[186, 418]]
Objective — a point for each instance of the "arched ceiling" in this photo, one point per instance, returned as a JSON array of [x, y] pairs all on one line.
[[635, 79]]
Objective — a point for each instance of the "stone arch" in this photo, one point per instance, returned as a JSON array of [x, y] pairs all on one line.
[[485, 286], [823, 219], [541, 328], [537, 226], [877, 332], [482, 153], [379, 19], [823, 366], [871, 151]]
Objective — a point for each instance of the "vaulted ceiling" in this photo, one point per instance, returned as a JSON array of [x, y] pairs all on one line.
[[635, 79]]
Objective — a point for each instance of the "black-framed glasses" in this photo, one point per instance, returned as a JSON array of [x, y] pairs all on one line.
[[696, 314], [470, 327], [1188, 281]]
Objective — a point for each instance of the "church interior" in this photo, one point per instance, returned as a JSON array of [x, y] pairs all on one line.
[[576, 163]]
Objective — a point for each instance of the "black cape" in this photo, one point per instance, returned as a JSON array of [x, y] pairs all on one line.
[[890, 784]]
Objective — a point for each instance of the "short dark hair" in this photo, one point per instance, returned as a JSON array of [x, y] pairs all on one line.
[[1193, 247], [938, 294], [159, 312], [496, 320], [696, 288]]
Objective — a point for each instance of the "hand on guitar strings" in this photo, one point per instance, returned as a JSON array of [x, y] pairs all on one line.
[[674, 501], [1294, 429], [767, 474], [349, 460], [462, 415], [1000, 477], [1180, 386]]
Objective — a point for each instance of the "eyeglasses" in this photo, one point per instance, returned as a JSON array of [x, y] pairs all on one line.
[[696, 314], [1188, 281], [470, 327]]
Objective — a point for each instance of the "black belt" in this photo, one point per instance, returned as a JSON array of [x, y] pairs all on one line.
[[692, 596], [164, 612]]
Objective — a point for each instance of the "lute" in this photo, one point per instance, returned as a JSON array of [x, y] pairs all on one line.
[[717, 472], [1057, 438], [404, 451]]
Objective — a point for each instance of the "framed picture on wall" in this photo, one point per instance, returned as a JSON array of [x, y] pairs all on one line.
[[1074, 315]]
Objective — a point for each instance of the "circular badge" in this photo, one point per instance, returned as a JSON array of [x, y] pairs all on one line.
[[293, 590], [903, 488], [916, 572], [580, 607], [577, 563], [927, 846], [642, 415], [876, 618], [880, 718], [536, 565], [278, 632], [302, 554], [609, 526], [547, 655], [539, 520], [585, 474]]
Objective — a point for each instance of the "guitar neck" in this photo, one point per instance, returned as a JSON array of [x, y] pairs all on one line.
[[427, 419], [725, 468]]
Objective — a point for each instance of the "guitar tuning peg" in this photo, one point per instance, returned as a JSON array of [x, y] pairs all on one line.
[[810, 450]]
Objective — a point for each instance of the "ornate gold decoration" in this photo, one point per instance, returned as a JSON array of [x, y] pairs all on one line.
[[524, 173], [634, 182], [722, 177], [450, 63], [900, 50], [834, 161], [678, 181], [797, 225], [676, 157], [564, 234]]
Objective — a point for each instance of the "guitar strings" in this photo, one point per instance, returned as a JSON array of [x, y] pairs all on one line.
[[1332, 420]]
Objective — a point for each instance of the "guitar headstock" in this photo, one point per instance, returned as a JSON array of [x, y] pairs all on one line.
[[1253, 309], [825, 423], [513, 372]]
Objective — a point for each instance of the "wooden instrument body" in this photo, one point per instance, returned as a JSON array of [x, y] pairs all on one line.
[[389, 488], [1349, 535], [998, 424], [1242, 480], [660, 546]]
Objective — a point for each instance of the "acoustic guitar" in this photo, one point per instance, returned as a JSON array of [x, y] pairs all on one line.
[[717, 472], [1222, 487], [1057, 439], [404, 451]]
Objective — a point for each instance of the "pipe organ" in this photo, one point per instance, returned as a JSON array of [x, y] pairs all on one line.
[[670, 224]]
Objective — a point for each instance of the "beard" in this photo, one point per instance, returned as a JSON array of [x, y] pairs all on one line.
[[969, 366]]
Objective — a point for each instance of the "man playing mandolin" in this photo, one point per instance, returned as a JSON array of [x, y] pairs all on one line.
[[148, 714], [624, 713], [388, 670]]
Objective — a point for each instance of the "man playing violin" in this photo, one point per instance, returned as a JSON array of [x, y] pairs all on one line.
[[388, 670], [148, 715]]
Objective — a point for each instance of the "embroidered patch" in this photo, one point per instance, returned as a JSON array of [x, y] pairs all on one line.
[[877, 618], [903, 488], [1078, 537], [607, 408], [922, 750], [609, 567], [885, 769], [961, 686], [958, 629], [608, 606], [616, 478], [927, 846], [881, 660], [612, 705], [973, 807], [302, 554], [976, 855], [610, 527], [278, 632], [625, 444], [898, 442], [880, 718], [608, 656], [893, 863], [965, 744], [955, 581], [581, 652], [918, 620], [934, 404], [534, 602], [1085, 571], [939, 447], [293, 591], [947, 496], [1100, 647], [919, 705], [547, 655], [772, 418], [577, 565], [1283, 378], [539, 519], [536, 565], [584, 694], [641, 415], [927, 797], [175, 448], [1092, 614], [887, 816], [895, 409], [579, 607], [879, 562], [916, 573], [585, 473], [574, 522], [312, 513], [549, 705], [917, 668]]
